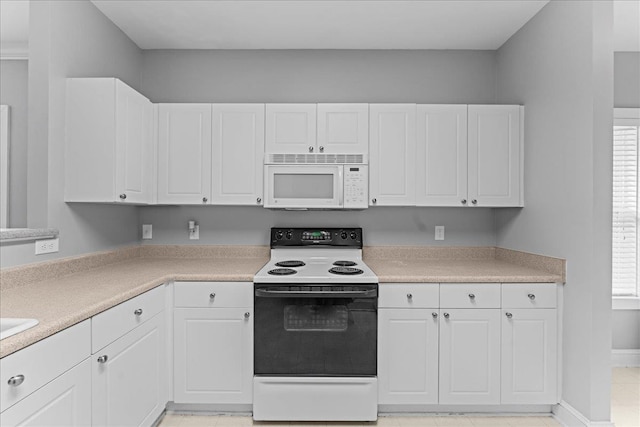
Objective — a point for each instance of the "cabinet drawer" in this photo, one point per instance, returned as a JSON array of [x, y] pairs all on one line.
[[529, 295], [213, 294], [470, 295], [110, 325], [408, 295], [42, 362]]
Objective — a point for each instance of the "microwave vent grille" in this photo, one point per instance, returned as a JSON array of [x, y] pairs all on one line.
[[317, 159]]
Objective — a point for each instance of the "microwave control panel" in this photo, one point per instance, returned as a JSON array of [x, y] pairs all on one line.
[[356, 186]]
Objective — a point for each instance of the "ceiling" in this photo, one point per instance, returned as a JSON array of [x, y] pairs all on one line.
[[315, 24]]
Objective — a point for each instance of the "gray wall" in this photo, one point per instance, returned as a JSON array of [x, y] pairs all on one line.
[[13, 92], [70, 39], [320, 76], [626, 87], [565, 81]]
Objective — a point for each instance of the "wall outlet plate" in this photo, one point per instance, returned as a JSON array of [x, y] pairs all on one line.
[[195, 233], [439, 232], [47, 246], [147, 231]]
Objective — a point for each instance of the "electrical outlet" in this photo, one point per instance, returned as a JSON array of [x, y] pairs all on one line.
[[195, 233], [439, 232], [47, 246], [147, 231]]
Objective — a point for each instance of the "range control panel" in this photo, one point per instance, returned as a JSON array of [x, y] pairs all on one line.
[[343, 237]]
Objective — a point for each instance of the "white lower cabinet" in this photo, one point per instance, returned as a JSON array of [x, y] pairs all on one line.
[[64, 402], [128, 377], [407, 356]]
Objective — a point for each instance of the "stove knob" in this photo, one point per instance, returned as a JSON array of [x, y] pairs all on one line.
[[353, 235], [343, 235], [289, 235], [279, 235]]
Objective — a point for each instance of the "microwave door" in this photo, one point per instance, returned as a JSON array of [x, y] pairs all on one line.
[[303, 187]]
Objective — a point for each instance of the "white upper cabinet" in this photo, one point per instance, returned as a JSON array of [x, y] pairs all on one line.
[[392, 151], [441, 161], [109, 142], [238, 152], [343, 128], [184, 153], [495, 155], [290, 128]]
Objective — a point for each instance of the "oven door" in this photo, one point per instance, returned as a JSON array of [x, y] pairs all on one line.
[[316, 330], [307, 186]]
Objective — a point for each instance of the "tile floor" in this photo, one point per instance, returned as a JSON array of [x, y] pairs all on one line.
[[625, 412]]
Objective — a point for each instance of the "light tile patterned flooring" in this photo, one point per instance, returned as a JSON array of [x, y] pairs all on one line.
[[625, 412]]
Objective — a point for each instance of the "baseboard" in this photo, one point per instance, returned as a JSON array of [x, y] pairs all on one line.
[[625, 358], [569, 416]]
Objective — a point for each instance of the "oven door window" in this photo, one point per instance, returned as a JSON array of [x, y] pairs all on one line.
[[315, 336]]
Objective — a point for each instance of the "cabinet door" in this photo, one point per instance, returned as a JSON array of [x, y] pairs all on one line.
[[128, 386], [238, 154], [184, 153], [495, 151], [343, 128], [529, 356], [470, 356], [133, 145], [392, 151], [441, 165], [291, 128], [213, 355], [64, 402], [407, 356]]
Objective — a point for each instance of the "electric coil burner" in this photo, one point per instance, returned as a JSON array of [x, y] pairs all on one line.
[[315, 328]]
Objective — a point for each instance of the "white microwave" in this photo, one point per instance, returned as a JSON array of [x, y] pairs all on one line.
[[305, 186]]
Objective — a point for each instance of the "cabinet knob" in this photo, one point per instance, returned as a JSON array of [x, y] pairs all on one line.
[[474, 201], [531, 297], [409, 296], [446, 315], [509, 315], [258, 200], [103, 359], [16, 380], [434, 315], [463, 201], [311, 149], [138, 312], [212, 295], [205, 200], [123, 196], [321, 149], [472, 296], [374, 201], [247, 315]]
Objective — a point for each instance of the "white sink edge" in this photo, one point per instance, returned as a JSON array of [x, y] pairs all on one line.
[[20, 325]]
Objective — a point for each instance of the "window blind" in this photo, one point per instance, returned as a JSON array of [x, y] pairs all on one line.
[[625, 211]]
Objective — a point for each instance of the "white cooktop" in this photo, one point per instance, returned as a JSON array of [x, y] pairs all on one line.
[[317, 261]]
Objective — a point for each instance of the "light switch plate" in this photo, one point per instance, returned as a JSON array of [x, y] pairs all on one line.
[[439, 232], [147, 231]]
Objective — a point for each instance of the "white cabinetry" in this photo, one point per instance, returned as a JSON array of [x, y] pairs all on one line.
[[109, 142], [238, 154], [495, 155], [392, 151], [290, 128], [343, 128], [184, 153], [213, 342], [529, 344], [408, 344], [441, 161]]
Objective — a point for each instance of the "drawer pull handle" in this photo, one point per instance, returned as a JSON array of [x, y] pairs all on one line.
[[138, 312], [509, 315], [472, 296], [247, 315], [409, 296], [16, 380], [212, 295], [434, 315], [446, 315], [103, 359], [531, 297]]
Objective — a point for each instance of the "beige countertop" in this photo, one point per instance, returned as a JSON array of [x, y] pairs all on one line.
[[62, 293]]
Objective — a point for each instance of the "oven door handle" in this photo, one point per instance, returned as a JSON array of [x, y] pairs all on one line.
[[323, 294]]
